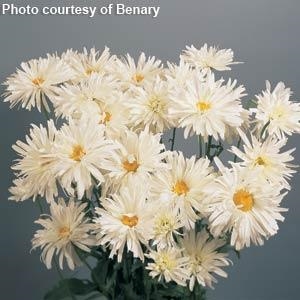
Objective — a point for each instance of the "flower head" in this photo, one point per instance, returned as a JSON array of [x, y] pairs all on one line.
[[208, 108], [81, 151], [125, 220], [207, 58], [242, 203], [36, 81], [63, 230], [277, 112], [35, 167], [204, 257], [168, 264]]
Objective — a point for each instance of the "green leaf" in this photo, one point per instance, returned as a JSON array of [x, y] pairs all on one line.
[[71, 286]]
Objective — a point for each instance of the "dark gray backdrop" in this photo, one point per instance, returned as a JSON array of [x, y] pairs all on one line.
[[263, 33]]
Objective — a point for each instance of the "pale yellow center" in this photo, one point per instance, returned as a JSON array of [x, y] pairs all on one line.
[[243, 200], [78, 153], [38, 81], [203, 106], [180, 188], [278, 113], [155, 104], [260, 161], [138, 78], [89, 71], [165, 263], [130, 166], [130, 221], [163, 225], [64, 232], [106, 119]]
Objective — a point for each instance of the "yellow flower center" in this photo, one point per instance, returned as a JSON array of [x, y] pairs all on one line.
[[138, 78], [277, 113], [156, 104], [106, 119], [78, 153], [203, 106], [64, 232], [180, 188], [130, 221], [130, 166], [163, 225], [165, 262], [90, 70], [38, 81], [260, 161], [243, 200]]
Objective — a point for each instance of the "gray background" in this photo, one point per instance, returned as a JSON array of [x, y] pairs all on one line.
[[263, 33]]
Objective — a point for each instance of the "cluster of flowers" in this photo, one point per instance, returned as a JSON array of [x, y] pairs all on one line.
[[127, 192]]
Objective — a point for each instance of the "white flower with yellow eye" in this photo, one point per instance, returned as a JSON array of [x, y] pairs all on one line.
[[166, 226], [136, 74], [178, 75], [207, 58], [204, 257], [82, 151], [64, 229], [88, 63], [168, 264], [243, 204], [149, 107], [182, 186], [125, 221], [35, 167], [208, 108], [275, 165], [73, 101], [139, 156], [276, 112], [37, 80], [113, 114]]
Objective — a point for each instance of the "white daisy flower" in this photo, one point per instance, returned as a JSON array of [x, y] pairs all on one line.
[[242, 203], [89, 62], [179, 75], [125, 220], [35, 168], [207, 58], [166, 225], [275, 165], [63, 230], [137, 74], [35, 81], [168, 264], [277, 112], [208, 108], [113, 114], [139, 156], [149, 107], [73, 101], [204, 257], [82, 151], [182, 186]]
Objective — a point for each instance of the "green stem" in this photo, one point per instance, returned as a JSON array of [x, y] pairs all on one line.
[[264, 129], [38, 201], [173, 139], [200, 145], [238, 146], [208, 146], [61, 276], [46, 113], [82, 258]]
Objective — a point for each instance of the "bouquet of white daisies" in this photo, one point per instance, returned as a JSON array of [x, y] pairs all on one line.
[[147, 221]]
